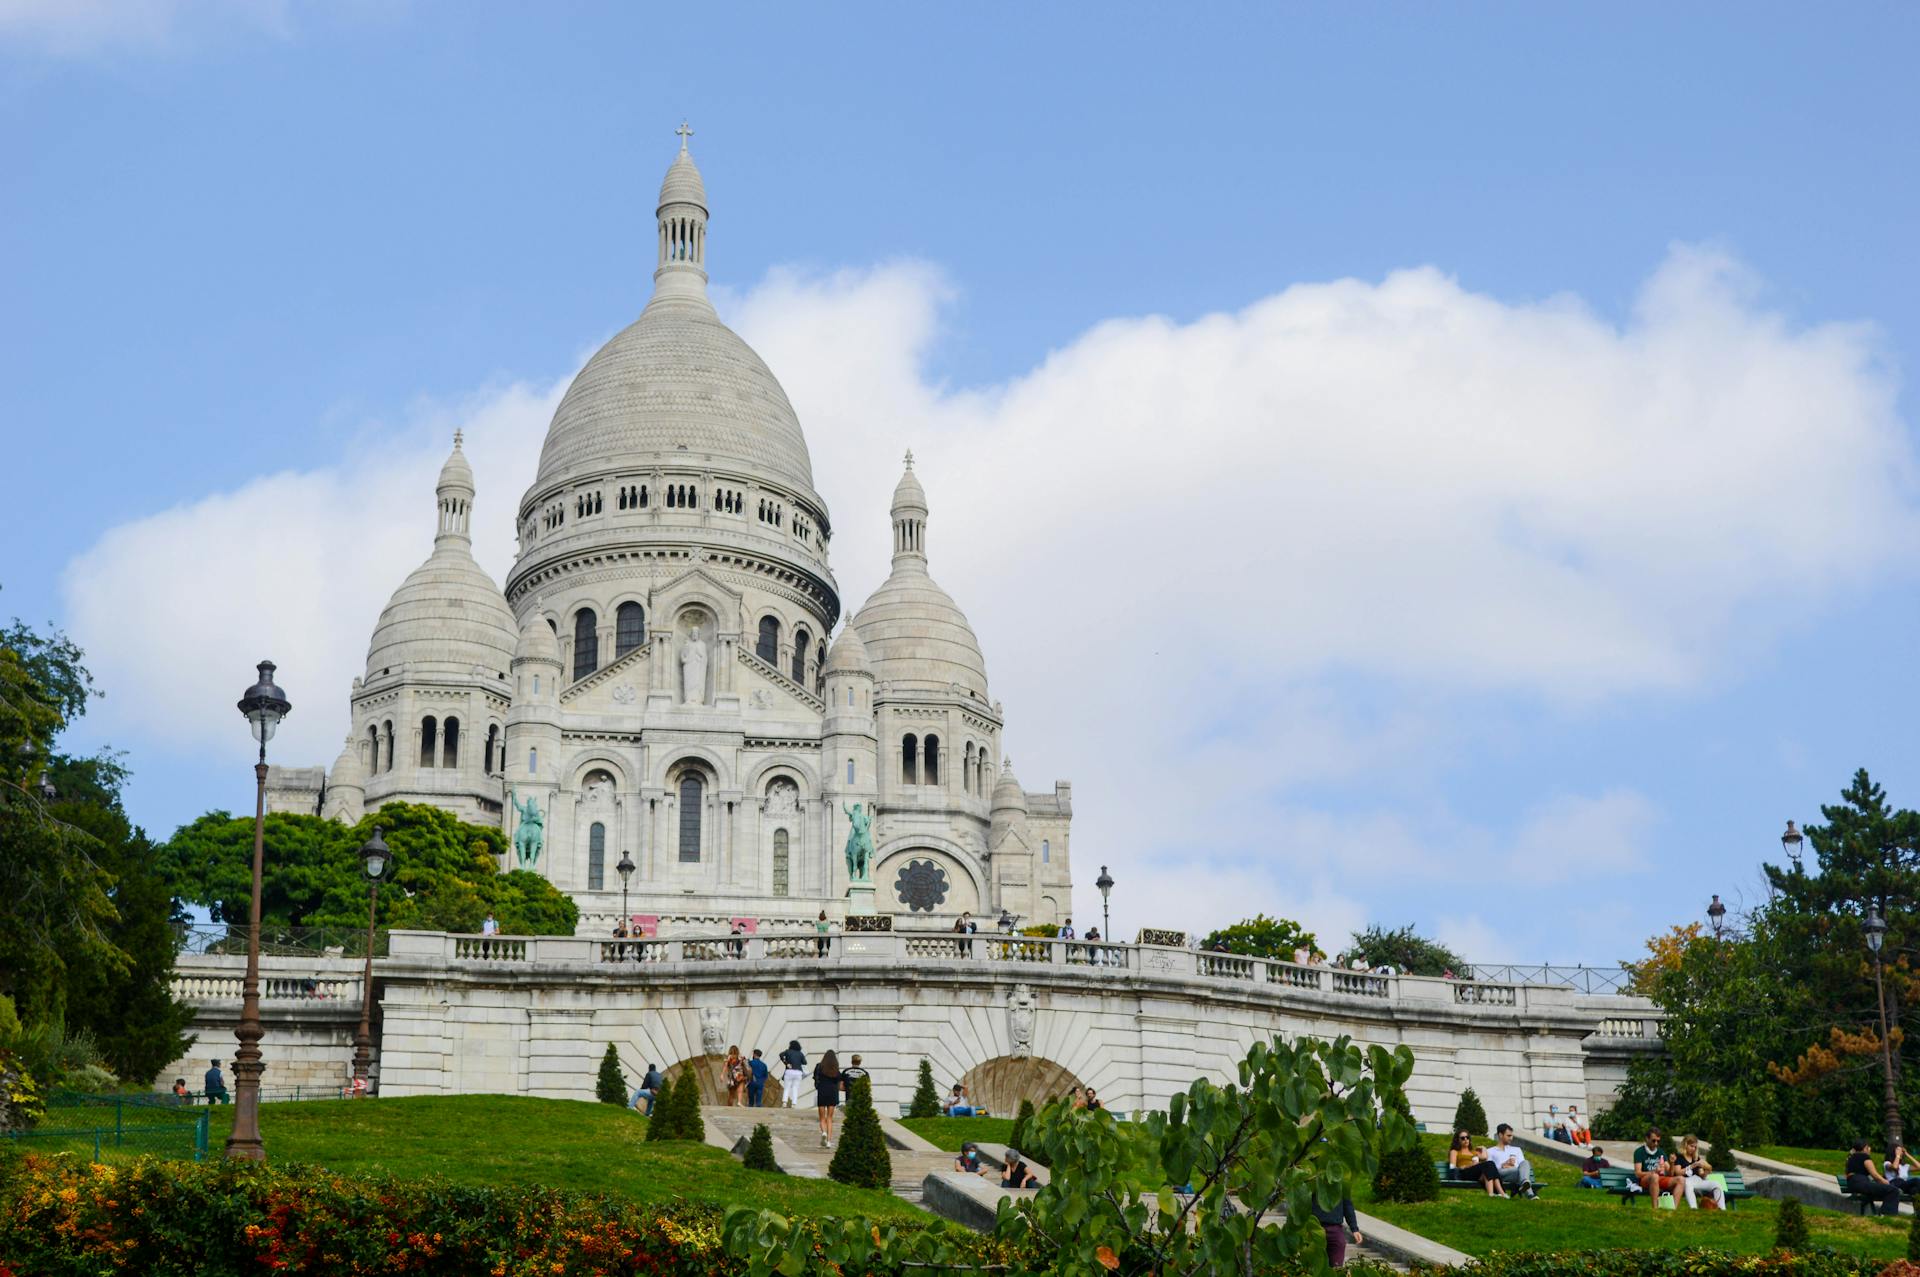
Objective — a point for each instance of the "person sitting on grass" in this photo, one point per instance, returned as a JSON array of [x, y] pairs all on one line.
[[1865, 1180], [957, 1104], [1591, 1168], [1516, 1172], [1652, 1169], [1694, 1170], [1471, 1163], [1017, 1174]]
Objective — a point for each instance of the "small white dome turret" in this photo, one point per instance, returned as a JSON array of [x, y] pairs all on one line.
[[1008, 796], [848, 655]]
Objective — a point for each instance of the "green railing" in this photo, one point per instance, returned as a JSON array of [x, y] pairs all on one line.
[[109, 1127]]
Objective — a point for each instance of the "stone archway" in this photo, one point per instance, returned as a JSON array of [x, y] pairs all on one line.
[[707, 1072], [1000, 1084]]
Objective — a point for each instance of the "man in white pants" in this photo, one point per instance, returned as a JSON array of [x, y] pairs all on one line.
[[795, 1062]]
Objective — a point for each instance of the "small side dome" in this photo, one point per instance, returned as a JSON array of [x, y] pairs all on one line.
[[848, 655], [537, 643], [908, 495], [682, 184], [456, 475], [346, 772], [1007, 793]]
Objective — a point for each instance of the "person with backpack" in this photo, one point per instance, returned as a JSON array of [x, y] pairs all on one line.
[[793, 1072]]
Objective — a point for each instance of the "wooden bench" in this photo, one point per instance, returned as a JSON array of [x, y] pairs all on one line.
[[1840, 1181], [1621, 1183], [1452, 1178]]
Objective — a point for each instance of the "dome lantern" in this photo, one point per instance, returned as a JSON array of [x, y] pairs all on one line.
[[453, 495], [909, 518], [682, 223]]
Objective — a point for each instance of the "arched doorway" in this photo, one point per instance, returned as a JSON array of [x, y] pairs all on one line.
[[1000, 1084], [706, 1072]]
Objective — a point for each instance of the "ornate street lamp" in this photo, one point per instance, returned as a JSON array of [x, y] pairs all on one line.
[[625, 870], [1105, 883], [1717, 914], [264, 706], [47, 791], [1790, 842], [1876, 928], [377, 862]]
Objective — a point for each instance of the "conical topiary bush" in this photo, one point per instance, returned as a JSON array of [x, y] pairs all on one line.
[[1790, 1230], [611, 1086], [861, 1158], [1469, 1116], [689, 1124], [759, 1156], [926, 1099], [1407, 1174], [1020, 1124]]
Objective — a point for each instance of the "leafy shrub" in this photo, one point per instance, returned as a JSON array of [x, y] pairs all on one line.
[[1406, 1173], [1790, 1230], [926, 1097], [759, 1155], [1913, 1240], [1469, 1115], [1020, 1124], [676, 1113], [1671, 1263], [861, 1158], [611, 1086], [1262, 937]]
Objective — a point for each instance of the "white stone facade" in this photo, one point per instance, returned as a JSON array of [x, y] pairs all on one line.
[[657, 673]]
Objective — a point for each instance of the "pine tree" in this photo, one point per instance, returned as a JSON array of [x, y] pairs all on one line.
[[688, 1123], [1020, 1124], [861, 1158], [759, 1156], [1470, 1116], [611, 1086], [1719, 1142], [1406, 1175], [1790, 1231], [926, 1099]]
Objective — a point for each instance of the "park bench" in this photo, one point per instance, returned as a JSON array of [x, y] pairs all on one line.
[[1619, 1181], [1865, 1201], [1452, 1178]]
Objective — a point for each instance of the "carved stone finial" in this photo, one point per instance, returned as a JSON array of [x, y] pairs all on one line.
[[684, 133], [909, 458]]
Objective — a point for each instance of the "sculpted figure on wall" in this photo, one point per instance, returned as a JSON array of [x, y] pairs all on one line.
[[1020, 1004], [531, 831], [693, 671], [713, 1029]]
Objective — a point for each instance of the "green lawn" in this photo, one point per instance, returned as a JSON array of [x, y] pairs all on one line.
[[1826, 1161], [1566, 1217], [952, 1132], [510, 1139]]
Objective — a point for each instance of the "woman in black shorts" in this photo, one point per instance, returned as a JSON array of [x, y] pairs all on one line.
[[826, 1094]]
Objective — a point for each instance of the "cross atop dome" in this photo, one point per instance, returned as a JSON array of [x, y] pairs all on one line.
[[684, 133], [909, 458]]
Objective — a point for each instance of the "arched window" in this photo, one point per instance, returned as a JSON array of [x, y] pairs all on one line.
[[630, 629], [428, 736], [780, 868], [493, 744], [596, 857], [692, 796], [801, 642], [966, 770], [1046, 851], [533, 761], [372, 760], [849, 771], [450, 743], [586, 643], [910, 760], [387, 735], [768, 646], [984, 785], [933, 760]]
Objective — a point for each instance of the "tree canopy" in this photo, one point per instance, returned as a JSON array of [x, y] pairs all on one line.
[[1406, 951], [1262, 937], [445, 873]]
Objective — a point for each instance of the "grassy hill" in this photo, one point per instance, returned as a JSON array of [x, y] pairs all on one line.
[[565, 1144]]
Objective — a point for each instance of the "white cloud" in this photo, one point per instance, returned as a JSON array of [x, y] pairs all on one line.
[[72, 28], [1184, 547]]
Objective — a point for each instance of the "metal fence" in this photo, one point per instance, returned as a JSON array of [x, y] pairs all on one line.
[[110, 1127], [1579, 979], [283, 942]]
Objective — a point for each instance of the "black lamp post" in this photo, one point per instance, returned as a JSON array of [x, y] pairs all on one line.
[[1105, 883], [1790, 842], [1876, 929], [264, 705], [377, 861], [625, 870], [1717, 914]]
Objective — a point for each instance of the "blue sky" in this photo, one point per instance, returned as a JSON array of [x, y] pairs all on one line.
[[243, 241]]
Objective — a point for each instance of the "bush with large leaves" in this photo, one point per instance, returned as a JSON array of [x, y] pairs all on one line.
[[445, 873]]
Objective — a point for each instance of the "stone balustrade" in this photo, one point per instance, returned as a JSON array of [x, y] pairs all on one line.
[[197, 986]]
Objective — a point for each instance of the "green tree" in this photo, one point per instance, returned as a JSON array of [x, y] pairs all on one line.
[[447, 873], [610, 1087], [1913, 1240], [1469, 1115], [1406, 951], [676, 1115], [1790, 1229], [926, 1097], [1021, 1122], [759, 1154], [861, 1158], [1262, 937], [1406, 1173]]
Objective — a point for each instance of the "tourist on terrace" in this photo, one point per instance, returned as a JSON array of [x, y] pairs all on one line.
[[820, 929], [957, 1104], [1516, 1172], [1098, 957], [1653, 1169], [738, 945], [734, 1074], [1591, 1168], [963, 927], [620, 934], [215, 1084], [826, 1094], [847, 1075], [649, 1089], [756, 1080], [1865, 1180], [793, 1062], [1694, 1170], [1339, 1223], [488, 930], [1472, 1163]]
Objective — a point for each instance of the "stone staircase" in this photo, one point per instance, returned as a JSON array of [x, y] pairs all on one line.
[[796, 1134]]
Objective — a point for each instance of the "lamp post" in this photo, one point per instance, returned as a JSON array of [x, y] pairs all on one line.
[[1790, 842], [1876, 929], [1717, 914], [625, 870], [1105, 883], [264, 706], [377, 862]]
